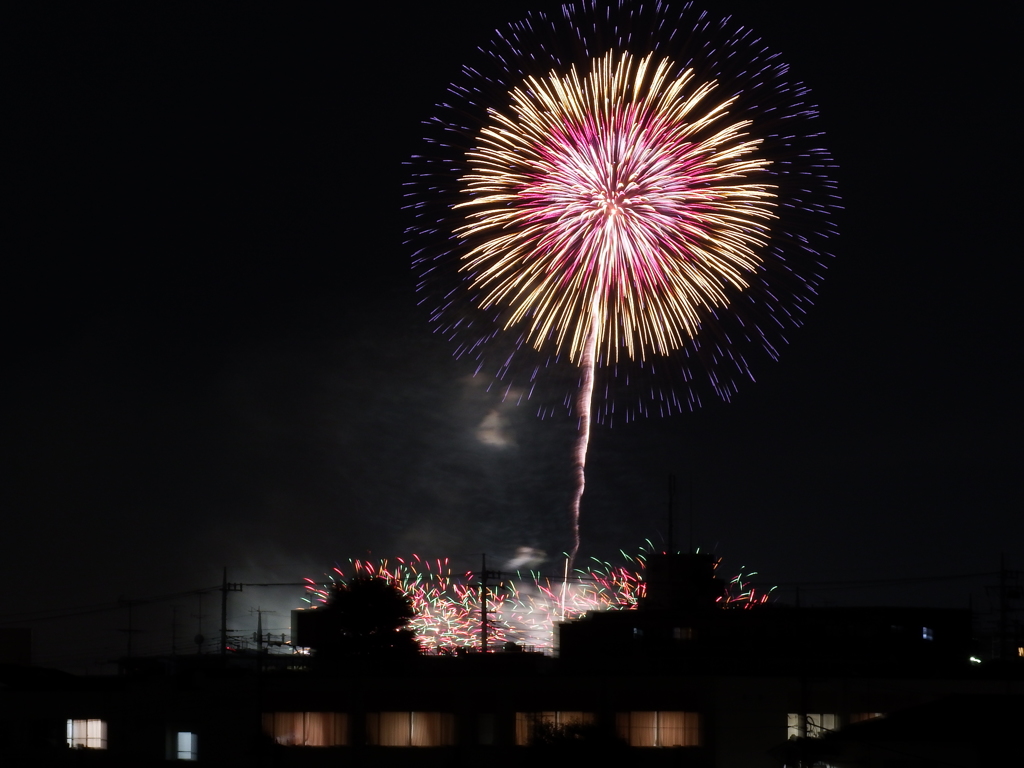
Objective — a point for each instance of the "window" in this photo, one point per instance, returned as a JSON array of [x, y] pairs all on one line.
[[185, 745], [527, 722], [659, 729], [814, 725], [410, 729], [485, 728], [927, 633], [307, 729], [87, 734]]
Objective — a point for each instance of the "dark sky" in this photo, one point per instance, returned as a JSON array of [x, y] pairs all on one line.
[[215, 357]]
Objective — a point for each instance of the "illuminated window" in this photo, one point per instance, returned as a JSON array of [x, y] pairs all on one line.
[[815, 725], [659, 729], [927, 633], [410, 729], [87, 734], [528, 722], [307, 729], [185, 743]]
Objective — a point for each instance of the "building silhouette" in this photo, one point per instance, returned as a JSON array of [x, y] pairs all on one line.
[[679, 681]]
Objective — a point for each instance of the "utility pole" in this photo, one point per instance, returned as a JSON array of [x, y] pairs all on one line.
[[224, 589], [484, 618]]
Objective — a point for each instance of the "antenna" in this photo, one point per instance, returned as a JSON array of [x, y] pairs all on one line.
[[671, 515], [199, 639], [259, 626], [689, 488], [174, 630], [130, 631]]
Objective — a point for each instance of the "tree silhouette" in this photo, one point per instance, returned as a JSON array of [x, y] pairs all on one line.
[[366, 617]]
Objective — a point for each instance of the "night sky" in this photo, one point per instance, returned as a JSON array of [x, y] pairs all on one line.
[[215, 357]]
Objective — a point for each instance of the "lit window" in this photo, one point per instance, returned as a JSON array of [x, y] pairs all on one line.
[[527, 722], [410, 729], [185, 745], [814, 726], [927, 633], [659, 729], [87, 734], [307, 729]]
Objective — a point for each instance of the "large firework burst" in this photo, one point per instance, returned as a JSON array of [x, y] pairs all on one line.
[[625, 191], [610, 210]]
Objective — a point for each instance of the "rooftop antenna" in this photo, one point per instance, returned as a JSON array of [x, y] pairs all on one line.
[[689, 504], [199, 639], [259, 626], [671, 515], [671, 511], [130, 631], [174, 630]]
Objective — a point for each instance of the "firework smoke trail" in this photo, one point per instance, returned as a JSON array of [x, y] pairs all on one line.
[[583, 400], [634, 191]]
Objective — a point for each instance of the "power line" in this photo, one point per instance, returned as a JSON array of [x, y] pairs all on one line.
[[47, 614]]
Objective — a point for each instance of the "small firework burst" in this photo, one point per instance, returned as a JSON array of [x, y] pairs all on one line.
[[523, 608]]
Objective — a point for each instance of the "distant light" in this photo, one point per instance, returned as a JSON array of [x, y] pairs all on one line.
[[975, 660]]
